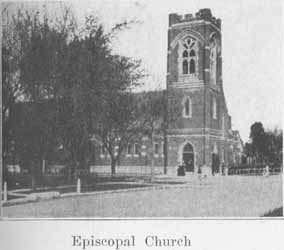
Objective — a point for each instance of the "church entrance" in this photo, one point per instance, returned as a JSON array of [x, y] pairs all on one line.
[[188, 157], [215, 163]]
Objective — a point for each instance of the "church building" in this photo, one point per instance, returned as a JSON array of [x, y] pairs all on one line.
[[199, 133], [202, 134]]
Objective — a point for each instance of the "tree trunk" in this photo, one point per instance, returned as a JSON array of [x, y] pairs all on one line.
[[34, 175], [33, 181], [112, 168], [69, 171]]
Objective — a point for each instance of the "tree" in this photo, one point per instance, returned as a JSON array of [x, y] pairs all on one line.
[[158, 112], [153, 110], [11, 57], [83, 62], [274, 141], [75, 70], [265, 146], [118, 125], [32, 49], [96, 94], [119, 122], [248, 150], [259, 140], [34, 136]]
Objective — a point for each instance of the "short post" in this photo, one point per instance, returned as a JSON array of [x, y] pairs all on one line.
[[5, 191], [43, 166], [226, 170], [78, 186]]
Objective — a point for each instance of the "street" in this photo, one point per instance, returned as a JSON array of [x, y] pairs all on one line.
[[231, 196]]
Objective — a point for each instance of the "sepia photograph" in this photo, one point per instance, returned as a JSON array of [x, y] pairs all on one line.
[[142, 109]]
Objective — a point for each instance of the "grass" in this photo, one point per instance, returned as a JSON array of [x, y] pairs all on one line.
[[11, 197], [52, 181], [86, 188]]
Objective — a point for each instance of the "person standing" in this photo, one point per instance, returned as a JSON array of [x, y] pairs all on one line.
[[199, 174]]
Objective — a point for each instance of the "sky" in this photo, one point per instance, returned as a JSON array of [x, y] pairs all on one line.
[[252, 49]]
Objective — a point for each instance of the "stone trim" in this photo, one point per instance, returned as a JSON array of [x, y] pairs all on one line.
[[193, 23], [202, 135], [184, 34], [185, 85], [195, 129]]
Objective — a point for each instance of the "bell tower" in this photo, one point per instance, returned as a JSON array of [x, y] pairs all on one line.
[[194, 50], [195, 88]]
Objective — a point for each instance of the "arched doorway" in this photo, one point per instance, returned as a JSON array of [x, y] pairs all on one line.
[[188, 157]]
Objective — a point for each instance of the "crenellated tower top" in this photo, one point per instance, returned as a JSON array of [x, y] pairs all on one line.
[[201, 15]]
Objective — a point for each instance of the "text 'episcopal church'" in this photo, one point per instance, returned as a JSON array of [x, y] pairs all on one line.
[[201, 134]]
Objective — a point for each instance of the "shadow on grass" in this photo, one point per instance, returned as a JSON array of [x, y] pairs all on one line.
[[278, 212]]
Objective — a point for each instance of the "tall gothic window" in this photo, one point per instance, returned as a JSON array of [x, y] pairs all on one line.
[[189, 58], [214, 108], [213, 58], [156, 148], [185, 67], [192, 66], [187, 109]]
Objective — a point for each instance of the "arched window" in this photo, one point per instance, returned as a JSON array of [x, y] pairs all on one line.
[[185, 67], [214, 108], [185, 54], [192, 66], [188, 148], [189, 56], [187, 109]]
